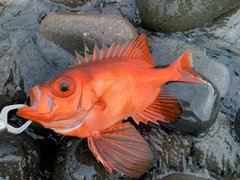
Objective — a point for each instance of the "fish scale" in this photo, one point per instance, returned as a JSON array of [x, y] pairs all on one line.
[[102, 90]]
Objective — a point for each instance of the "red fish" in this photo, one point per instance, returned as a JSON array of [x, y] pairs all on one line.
[[91, 99]]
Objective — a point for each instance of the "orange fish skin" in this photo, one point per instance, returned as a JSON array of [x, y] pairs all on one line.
[[91, 99], [115, 89]]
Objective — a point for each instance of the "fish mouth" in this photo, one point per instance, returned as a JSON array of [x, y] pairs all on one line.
[[40, 105], [41, 110]]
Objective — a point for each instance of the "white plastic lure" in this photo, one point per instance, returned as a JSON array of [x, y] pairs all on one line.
[[4, 126]]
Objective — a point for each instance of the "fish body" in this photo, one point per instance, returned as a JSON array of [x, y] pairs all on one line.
[[91, 99]]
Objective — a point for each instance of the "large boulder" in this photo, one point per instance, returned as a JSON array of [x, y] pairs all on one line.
[[80, 31], [19, 157], [172, 16]]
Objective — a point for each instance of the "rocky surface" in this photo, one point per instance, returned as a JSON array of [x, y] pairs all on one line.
[[173, 16], [166, 50], [75, 160], [72, 3], [200, 102], [181, 176], [19, 157], [237, 124], [217, 152], [80, 31], [28, 59]]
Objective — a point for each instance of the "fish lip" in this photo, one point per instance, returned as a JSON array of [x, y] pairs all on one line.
[[35, 96]]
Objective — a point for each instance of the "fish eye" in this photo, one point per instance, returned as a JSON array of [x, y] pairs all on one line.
[[63, 87]]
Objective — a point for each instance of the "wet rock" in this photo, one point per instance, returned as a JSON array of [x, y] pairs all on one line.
[[217, 151], [166, 50], [172, 16], [19, 157], [75, 161], [200, 107], [222, 34], [221, 40], [237, 124], [21, 63], [171, 148], [72, 3], [181, 176], [200, 102], [80, 31]]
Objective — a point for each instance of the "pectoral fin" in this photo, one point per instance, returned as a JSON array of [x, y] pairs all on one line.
[[165, 108], [122, 148]]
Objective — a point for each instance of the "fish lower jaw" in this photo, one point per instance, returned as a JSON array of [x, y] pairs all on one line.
[[67, 130]]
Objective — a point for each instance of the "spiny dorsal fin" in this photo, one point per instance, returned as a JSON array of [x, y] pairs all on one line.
[[137, 50]]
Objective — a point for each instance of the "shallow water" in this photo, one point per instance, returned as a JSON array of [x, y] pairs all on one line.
[[221, 40]]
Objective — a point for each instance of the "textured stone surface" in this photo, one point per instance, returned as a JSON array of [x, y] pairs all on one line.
[[217, 150], [181, 176], [200, 107], [166, 50], [80, 31], [200, 102], [75, 161], [172, 16], [71, 3], [237, 124], [19, 157]]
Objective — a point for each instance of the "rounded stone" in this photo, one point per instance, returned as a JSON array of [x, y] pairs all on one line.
[[182, 176], [166, 50], [74, 160], [80, 31], [200, 102], [19, 157], [217, 151], [172, 16], [200, 105], [71, 3], [237, 124], [171, 148]]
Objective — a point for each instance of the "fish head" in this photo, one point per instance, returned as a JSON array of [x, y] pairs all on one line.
[[57, 104]]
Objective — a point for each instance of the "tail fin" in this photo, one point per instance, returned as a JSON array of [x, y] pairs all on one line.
[[184, 66]]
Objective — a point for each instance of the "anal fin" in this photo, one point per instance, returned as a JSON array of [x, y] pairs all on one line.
[[165, 108], [122, 148]]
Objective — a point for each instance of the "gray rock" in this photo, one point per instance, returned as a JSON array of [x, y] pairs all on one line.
[[80, 31], [200, 107], [172, 16], [19, 157], [237, 124], [21, 64], [217, 151], [221, 35], [71, 3], [171, 148], [166, 50], [75, 161], [181, 176], [200, 102]]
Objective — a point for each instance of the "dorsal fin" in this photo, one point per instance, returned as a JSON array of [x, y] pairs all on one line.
[[137, 50]]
